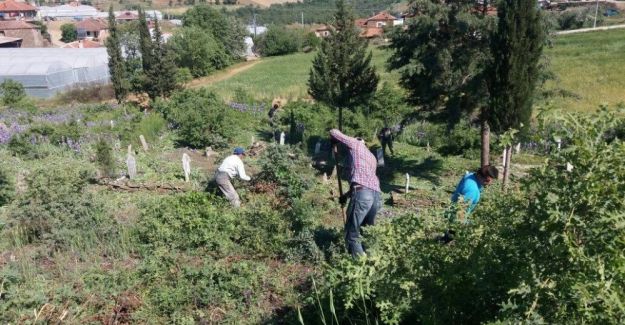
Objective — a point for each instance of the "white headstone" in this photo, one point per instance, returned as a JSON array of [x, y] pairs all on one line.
[[209, 151], [282, 138], [132, 165], [517, 148], [143, 142], [407, 183], [559, 143], [317, 147], [112, 124], [380, 156], [325, 178], [130, 149], [253, 140], [186, 166], [428, 146], [569, 167]]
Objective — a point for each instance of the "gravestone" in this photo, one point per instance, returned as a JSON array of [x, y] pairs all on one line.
[[253, 140], [517, 148], [407, 183], [112, 124], [186, 166], [559, 143], [325, 178], [428, 146], [569, 167], [129, 149], [505, 154], [131, 163], [143, 142], [282, 135], [317, 147], [380, 156], [209, 152]]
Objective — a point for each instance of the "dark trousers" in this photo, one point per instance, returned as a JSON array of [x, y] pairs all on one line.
[[388, 143], [363, 207]]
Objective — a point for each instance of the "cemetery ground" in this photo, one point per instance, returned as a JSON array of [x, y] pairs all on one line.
[[79, 246]]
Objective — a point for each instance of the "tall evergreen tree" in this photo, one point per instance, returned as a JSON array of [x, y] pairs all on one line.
[[442, 57], [145, 42], [117, 69], [516, 47], [342, 75], [161, 75]]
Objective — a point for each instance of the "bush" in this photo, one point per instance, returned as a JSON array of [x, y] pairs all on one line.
[[278, 167], [11, 92], [104, 158], [68, 33], [198, 51], [7, 187], [278, 40], [58, 211], [199, 118]]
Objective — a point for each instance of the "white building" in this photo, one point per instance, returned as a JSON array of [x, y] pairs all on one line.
[[72, 11]]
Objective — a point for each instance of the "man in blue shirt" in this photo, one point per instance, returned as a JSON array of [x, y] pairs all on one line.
[[471, 185]]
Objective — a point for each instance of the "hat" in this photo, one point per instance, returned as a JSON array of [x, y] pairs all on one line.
[[239, 151]]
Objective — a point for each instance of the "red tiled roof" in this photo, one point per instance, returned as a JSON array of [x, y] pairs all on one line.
[[127, 16], [372, 32], [11, 5], [85, 44], [92, 25], [361, 22], [15, 24], [382, 16]]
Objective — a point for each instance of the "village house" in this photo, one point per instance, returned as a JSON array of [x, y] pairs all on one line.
[[373, 27], [13, 10], [126, 16], [92, 29], [28, 33], [322, 32]]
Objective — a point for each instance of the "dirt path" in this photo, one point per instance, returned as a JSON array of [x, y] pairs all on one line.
[[223, 75]]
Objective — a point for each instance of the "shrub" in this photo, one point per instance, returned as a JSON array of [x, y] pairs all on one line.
[[7, 187], [68, 33], [278, 40], [199, 118], [104, 158], [12, 92], [278, 167], [57, 210], [198, 51]]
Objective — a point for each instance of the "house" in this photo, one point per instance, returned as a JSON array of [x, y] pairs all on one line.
[[381, 20], [28, 33], [126, 16], [92, 29], [71, 11], [322, 32], [13, 10], [10, 42], [82, 44], [372, 32]]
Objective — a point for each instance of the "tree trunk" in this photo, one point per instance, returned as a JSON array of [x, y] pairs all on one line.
[[485, 136], [341, 119], [506, 168]]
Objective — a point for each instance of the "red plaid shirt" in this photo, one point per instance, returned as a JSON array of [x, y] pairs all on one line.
[[364, 163]]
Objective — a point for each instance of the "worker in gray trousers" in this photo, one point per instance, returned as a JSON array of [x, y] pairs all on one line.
[[229, 169]]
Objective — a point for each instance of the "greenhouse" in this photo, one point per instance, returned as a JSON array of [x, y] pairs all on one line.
[[47, 71]]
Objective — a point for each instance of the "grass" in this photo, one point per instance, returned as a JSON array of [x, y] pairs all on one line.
[[589, 69], [283, 76]]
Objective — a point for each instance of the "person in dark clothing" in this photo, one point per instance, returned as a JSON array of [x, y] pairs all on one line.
[[386, 139], [272, 113]]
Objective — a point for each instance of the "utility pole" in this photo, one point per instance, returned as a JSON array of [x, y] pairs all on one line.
[[302, 19], [254, 23]]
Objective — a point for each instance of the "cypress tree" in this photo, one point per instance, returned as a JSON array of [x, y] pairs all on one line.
[[145, 42], [516, 47], [117, 69], [161, 75], [342, 75]]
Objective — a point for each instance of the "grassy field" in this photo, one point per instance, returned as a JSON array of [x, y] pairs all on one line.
[[283, 76], [589, 69]]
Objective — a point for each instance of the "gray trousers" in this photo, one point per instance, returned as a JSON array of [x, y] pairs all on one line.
[[363, 207], [225, 185]]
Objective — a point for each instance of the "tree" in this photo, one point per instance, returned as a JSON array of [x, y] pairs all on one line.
[[104, 158], [145, 42], [11, 92], [441, 57], [68, 33], [7, 187], [162, 71], [516, 47], [117, 68], [198, 51], [342, 75], [278, 41], [227, 30]]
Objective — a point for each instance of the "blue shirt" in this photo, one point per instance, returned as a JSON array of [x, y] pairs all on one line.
[[470, 190]]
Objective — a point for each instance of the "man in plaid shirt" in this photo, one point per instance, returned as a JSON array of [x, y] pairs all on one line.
[[364, 190]]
